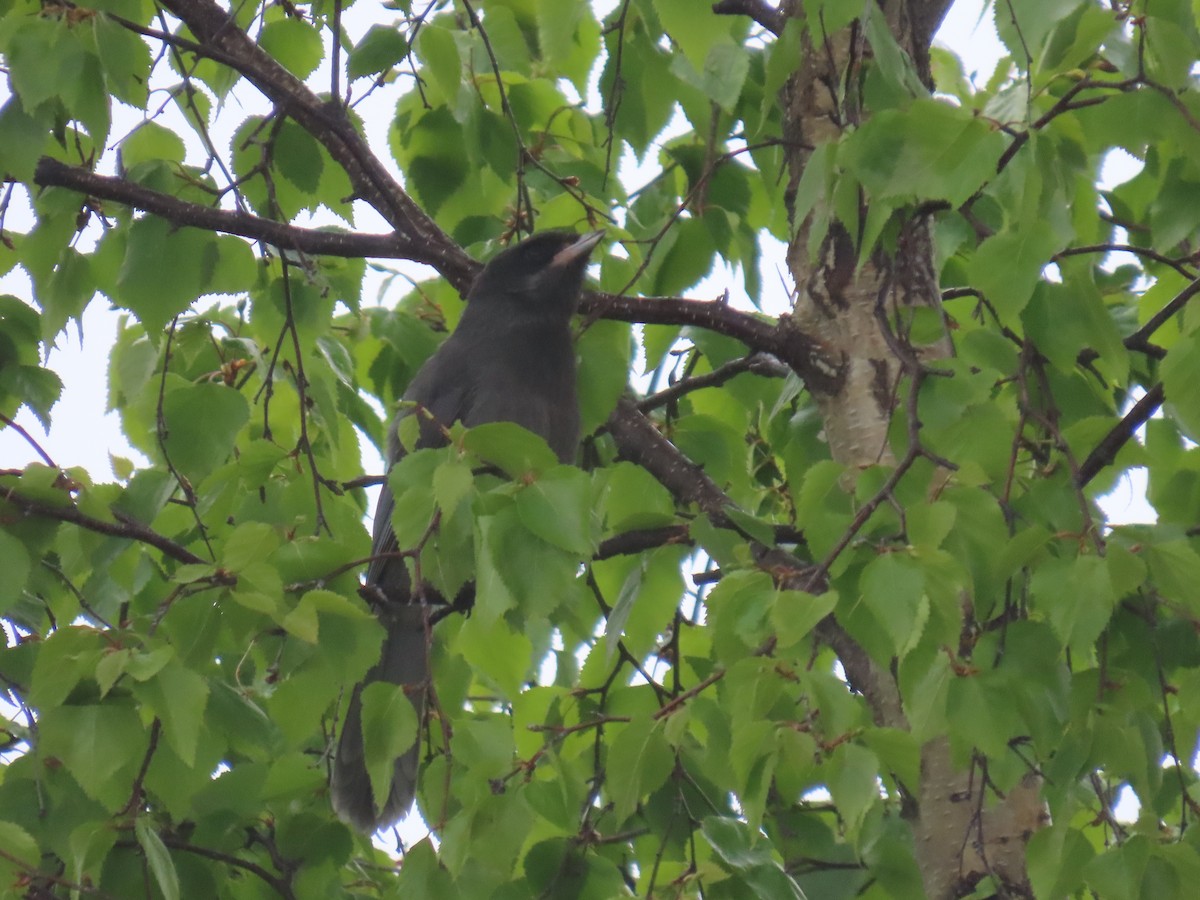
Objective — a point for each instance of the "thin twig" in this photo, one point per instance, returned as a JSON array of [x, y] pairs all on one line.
[[756, 363], [125, 527], [37, 448], [302, 391], [161, 434]]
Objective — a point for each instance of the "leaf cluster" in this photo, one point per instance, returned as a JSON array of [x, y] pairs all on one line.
[[666, 682]]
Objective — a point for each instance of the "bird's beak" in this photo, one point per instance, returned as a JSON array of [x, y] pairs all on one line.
[[577, 250]]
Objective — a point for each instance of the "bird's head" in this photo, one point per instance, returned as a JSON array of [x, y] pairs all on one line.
[[543, 272]]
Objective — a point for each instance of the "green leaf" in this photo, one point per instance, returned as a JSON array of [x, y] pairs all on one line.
[[981, 715], [721, 75], [111, 666], [493, 597], [68, 656], [854, 782], [66, 292], [892, 60], [389, 725], [292, 776], [738, 846], [753, 527], [646, 591], [557, 507], [641, 108], [569, 38], [21, 858], [39, 61], [893, 590], [439, 52], [22, 140], [518, 452], [1118, 872], [685, 257], [1056, 857], [740, 606], [152, 248], [178, 696], [381, 48], [632, 498], [925, 685], [302, 622], [1065, 319], [1007, 265], [101, 746], [294, 43], [604, 352], [615, 623], [795, 614], [15, 563], [1172, 50], [497, 653], [298, 156], [930, 524], [929, 151], [452, 483], [747, 853], [251, 543], [1180, 370], [202, 421], [1024, 25], [1175, 570], [125, 58], [152, 142], [695, 33], [159, 858], [639, 761], [144, 666], [37, 388], [1078, 597]]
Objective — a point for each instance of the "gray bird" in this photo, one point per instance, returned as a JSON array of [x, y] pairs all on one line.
[[511, 359]]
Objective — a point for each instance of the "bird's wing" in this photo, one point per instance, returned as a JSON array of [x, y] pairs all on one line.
[[442, 390]]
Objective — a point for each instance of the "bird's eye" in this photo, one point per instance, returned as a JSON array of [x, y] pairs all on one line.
[[542, 254]]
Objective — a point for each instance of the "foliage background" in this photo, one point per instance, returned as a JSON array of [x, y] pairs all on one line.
[[179, 638]]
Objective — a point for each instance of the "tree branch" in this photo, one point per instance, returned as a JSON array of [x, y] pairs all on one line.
[[218, 36], [1178, 265], [760, 334], [757, 363], [782, 338], [757, 333], [927, 16], [639, 441], [642, 539], [53, 173], [1106, 451], [282, 886], [762, 12], [215, 29], [1140, 339], [125, 527]]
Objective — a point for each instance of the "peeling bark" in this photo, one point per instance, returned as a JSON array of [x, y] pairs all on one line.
[[855, 309]]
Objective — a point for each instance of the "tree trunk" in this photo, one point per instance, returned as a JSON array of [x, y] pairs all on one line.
[[857, 308]]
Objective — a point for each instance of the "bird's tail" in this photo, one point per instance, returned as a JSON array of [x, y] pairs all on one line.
[[404, 661]]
